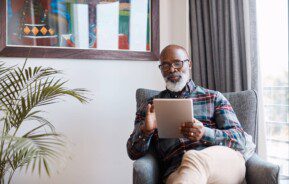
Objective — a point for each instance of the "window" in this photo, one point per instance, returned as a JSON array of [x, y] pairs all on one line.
[[272, 19]]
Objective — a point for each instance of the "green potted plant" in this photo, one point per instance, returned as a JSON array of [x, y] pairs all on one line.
[[24, 91]]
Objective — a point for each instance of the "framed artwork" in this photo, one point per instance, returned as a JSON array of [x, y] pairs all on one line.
[[80, 29]]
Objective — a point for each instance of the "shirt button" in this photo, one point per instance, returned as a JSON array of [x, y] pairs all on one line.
[[144, 139], [205, 142], [140, 136]]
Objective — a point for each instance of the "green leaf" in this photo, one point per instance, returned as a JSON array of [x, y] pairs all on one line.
[[23, 92]]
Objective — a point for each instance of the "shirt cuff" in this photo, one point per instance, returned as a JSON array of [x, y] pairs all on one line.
[[141, 136], [209, 137]]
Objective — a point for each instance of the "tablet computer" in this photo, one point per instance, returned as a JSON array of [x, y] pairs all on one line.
[[170, 114]]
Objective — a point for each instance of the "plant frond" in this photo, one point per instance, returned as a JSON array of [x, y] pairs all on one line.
[[34, 149], [40, 94], [23, 91]]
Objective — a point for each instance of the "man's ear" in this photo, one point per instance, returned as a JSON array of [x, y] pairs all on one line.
[[190, 64]]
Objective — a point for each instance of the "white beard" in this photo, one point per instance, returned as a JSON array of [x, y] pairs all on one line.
[[178, 86]]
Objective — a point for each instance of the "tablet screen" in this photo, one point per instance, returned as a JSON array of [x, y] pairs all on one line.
[[170, 114]]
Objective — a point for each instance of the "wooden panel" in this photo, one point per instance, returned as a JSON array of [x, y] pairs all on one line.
[[2, 24]]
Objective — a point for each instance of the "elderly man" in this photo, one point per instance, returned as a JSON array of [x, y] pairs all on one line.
[[213, 150]]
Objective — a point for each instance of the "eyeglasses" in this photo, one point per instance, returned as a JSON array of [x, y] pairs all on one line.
[[177, 65]]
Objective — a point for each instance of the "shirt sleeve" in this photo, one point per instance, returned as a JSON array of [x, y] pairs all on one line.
[[138, 142], [228, 131]]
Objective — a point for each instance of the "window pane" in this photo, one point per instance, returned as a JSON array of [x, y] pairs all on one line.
[[272, 19]]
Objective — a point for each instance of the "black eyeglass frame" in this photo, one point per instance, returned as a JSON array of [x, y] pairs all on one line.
[[172, 65]]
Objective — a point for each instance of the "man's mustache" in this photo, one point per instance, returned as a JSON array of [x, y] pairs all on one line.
[[174, 75]]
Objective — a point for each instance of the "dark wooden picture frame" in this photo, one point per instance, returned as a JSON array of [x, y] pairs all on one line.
[[46, 52]]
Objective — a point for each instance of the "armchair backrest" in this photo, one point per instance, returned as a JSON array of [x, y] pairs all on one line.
[[244, 104]]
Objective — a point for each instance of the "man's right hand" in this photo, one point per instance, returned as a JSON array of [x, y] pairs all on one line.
[[150, 121]]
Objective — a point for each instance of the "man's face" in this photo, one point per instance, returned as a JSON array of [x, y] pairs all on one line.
[[175, 78]]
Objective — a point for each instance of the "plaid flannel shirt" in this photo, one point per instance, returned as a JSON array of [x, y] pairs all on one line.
[[210, 107]]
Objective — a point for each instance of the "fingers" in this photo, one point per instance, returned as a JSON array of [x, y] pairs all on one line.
[[191, 125], [192, 138], [150, 109], [194, 130], [197, 122], [190, 135], [190, 131], [194, 122], [188, 124]]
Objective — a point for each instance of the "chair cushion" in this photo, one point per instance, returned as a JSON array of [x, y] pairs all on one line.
[[244, 104]]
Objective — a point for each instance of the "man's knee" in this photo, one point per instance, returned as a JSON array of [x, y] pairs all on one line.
[[190, 155], [195, 159]]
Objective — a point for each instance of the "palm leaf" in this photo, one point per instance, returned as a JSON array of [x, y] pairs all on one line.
[[18, 102], [32, 149], [23, 91]]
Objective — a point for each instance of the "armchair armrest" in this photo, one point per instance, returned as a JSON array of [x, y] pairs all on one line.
[[145, 170], [259, 171]]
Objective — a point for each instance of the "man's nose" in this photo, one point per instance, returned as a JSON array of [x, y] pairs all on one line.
[[172, 69]]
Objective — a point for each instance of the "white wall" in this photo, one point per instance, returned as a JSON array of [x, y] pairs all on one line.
[[174, 23], [99, 130]]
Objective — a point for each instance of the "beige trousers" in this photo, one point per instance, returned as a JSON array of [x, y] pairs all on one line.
[[212, 165]]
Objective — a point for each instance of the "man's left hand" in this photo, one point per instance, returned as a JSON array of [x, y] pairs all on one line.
[[193, 130]]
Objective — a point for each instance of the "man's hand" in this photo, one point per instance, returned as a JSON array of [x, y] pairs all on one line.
[[150, 121], [193, 130]]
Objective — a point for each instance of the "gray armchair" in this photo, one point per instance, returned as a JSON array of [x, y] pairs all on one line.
[[146, 170]]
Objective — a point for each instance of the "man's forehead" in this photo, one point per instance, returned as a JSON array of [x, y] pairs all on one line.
[[173, 55]]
